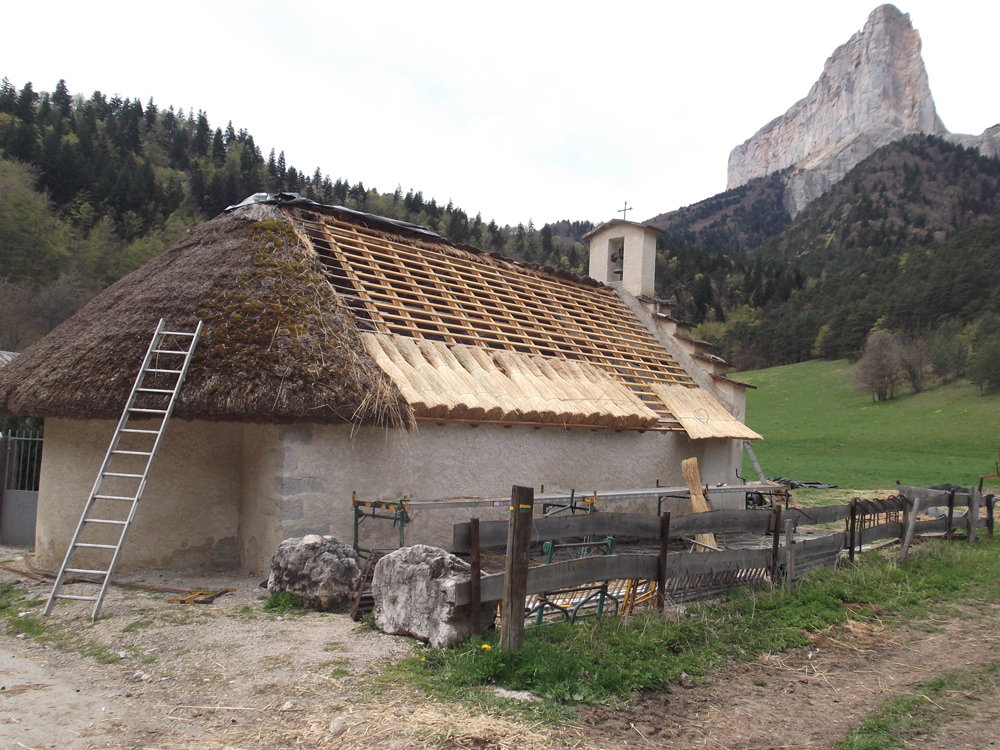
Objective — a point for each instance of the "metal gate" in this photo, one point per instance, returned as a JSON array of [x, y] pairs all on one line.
[[20, 464]]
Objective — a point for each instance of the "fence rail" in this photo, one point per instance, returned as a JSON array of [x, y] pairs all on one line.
[[685, 575]]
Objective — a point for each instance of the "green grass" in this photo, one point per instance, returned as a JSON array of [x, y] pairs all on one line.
[[609, 659], [925, 708], [283, 603], [817, 427]]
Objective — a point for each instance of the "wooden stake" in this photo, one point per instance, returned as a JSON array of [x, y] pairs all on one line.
[[854, 526], [973, 517], [475, 575], [989, 516], [775, 543], [689, 467], [914, 512], [951, 514], [789, 555], [661, 570], [515, 582]]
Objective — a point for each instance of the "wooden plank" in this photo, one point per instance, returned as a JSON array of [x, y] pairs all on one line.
[[819, 515], [522, 505], [494, 533], [689, 468], [699, 563], [720, 522], [821, 546], [882, 531], [933, 498]]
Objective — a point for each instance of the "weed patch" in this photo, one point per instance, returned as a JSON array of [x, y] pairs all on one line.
[[283, 603]]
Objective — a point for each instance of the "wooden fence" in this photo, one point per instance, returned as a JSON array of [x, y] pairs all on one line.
[[689, 575]]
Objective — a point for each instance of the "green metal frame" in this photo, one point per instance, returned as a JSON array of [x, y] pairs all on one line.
[[396, 512]]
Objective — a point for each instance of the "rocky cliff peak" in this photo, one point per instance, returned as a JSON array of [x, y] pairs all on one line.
[[873, 91]]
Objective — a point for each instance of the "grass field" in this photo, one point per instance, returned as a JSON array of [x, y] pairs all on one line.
[[817, 427]]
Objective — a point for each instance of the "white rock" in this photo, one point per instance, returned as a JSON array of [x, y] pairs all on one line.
[[873, 91], [414, 592], [321, 570]]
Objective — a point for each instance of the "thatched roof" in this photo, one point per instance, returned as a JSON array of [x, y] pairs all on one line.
[[317, 313], [277, 346]]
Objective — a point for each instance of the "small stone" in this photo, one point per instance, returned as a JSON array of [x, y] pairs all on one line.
[[288, 706], [122, 654], [337, 726], [21, 636]]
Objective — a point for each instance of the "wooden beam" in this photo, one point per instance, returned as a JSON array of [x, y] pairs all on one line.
[[689, 467], [522, 505]]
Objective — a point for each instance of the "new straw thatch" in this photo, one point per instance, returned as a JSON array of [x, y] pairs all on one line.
[[278, 345], [701, 415], [457, 381]]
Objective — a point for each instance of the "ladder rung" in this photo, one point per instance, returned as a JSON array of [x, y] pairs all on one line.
[[152, 390], [105, 520], [144, 432], [78, 598], [169, 351], [119, 474], [176, 333], [91, 545], [112, 497], [149, 411], [172, 372], [134, 453], [86, 571]]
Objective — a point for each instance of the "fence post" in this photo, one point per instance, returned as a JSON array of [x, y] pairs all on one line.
[[854, 524], [661, 569], [515, 582], [475, 579], [951, 513], [789, 555], [775, 542], [972, 519], [989, 516], [910, 529], [4, 445]]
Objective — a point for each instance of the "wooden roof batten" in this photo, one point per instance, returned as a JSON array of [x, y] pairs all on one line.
[[432, 290]]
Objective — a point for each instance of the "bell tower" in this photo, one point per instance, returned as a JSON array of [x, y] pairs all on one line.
[[624, 252]]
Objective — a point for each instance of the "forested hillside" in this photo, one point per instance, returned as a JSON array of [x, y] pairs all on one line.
[[905, 242], [93, 187]]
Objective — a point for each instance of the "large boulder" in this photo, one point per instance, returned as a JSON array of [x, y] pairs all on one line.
[[321, 570], [414, 592]]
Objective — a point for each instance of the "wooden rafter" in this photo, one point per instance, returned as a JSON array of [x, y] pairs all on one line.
[[443, 293]]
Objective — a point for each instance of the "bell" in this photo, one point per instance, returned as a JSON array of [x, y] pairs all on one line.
[[619, 270]]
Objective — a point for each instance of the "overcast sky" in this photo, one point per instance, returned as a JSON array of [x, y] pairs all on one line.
[[540, 110]]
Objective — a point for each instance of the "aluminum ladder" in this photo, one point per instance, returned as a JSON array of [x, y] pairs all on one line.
[[121, 480]]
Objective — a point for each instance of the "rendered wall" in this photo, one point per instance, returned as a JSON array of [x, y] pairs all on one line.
[[188, 514], [324, 465]]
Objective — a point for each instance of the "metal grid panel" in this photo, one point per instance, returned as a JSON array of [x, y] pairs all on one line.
[[444, 294]]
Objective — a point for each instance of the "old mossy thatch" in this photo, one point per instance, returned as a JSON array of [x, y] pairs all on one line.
[[278, 345]]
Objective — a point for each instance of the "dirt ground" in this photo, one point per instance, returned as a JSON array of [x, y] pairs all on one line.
[[228, 675]]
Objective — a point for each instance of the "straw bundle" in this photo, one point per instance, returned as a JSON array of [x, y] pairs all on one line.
[[477, 384], [701, 415]]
